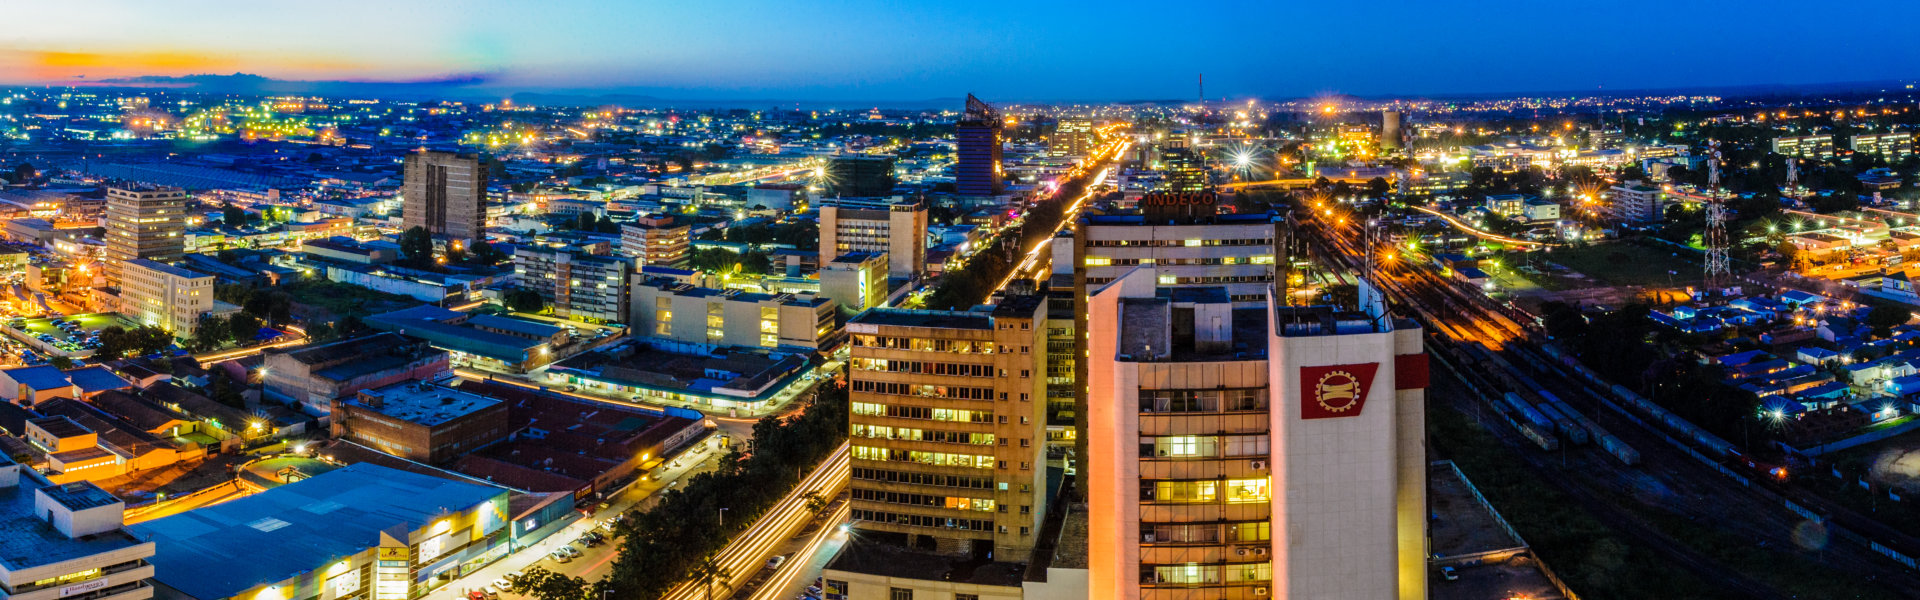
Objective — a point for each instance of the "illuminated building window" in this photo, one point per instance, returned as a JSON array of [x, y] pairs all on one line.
[[1247, 490]]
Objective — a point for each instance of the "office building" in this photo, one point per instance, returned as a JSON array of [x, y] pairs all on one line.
[[1804, 146], [859, 175], [948, 426], [855, 281], [164, 296], [363, 531], [312, 376], [66, 541], [446, 193], [656, 240], [579, 284], [1892, 145], [1637, 203], [1072, 136], [1186, 172], [482, 342], [978, 134], [144, 222], [421, 421], [666, 309], [896, 227], [1246, 452]]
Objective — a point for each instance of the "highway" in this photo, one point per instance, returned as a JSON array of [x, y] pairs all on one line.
[[1667, 484], [747, 553], [1031, 266]]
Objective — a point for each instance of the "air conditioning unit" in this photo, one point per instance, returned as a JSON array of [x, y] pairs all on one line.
[[1260, 551], [1147, 537], [1259, 591], [1240, 551], [1258, 464]]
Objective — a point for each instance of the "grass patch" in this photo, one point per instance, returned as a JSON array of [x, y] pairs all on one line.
[[345, 299], [1624, 264]]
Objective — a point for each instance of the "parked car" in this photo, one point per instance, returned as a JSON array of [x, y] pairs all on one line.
[[560, 556]]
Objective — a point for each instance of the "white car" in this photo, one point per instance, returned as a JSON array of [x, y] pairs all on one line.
[[502, 584], [776, 561]]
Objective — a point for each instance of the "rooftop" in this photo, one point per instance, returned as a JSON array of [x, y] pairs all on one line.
[[216, 551], [27, 540], [422, 403], [164, 268], [943, 319], [872, 557], [521, 326]]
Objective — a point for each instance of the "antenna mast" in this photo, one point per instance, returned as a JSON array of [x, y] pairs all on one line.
[[1718, 269]]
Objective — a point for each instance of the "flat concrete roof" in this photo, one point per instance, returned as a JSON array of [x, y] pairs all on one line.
[[426, 404]]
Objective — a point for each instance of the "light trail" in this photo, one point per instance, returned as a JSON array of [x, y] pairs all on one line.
[[773, 588], [744, 555], [1457, 224], [1066, 217]]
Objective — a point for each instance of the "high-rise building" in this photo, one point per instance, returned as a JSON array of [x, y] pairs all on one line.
[[949, 426], [1073, 136], [978, 172], [1184, 246], [859, 175], [578, 283], [144, 222], [68, 541], [1390, 129], [894, 226], [1253, 452], [656, 240], [446, 193], [164, 296], [1185, 171]]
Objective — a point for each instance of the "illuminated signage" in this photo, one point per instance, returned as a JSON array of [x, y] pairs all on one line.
[[1183, 207], [1335, 390], [83, 587], [69, 578]]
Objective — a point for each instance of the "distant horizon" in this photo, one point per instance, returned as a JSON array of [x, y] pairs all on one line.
[[857, 50], [468, 88]]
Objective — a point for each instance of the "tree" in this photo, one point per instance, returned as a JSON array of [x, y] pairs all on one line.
[[117, 342], [223, 389], [416, 245], [242, 327], [1884, 318], [60, 362], [709, 570], [209, 333], [233, 216], [524, 300], [24, 172], [548, 585]]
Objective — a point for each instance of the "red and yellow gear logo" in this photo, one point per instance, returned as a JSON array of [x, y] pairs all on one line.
[[1338, 391]]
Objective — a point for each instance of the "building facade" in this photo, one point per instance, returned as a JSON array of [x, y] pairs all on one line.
[[1892, 145], [165, 296], [949, 426], [578, 284], [859, 175], [1804, 146], [656, 240], [893, 226], [446, 193], [667, 309], [144, 222], [1638, 203], [1263, 452], [855, 281], [420, 421], [311, 377], [978, 135]]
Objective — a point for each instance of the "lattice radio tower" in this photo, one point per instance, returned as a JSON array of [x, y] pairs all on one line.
[[1719, 272]]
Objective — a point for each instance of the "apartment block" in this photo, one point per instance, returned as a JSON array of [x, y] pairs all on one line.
[[948, 426], [578, 283], [656, 240]]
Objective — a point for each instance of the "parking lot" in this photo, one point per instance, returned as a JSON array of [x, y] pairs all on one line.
[[74, 337]]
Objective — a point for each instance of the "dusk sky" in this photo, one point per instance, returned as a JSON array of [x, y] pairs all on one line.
[[861, 49]]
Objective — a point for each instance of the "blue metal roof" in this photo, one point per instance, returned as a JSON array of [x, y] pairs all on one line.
[[225, 549], [44, 377]]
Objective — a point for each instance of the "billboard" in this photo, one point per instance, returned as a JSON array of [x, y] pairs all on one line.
[[1333, 391]]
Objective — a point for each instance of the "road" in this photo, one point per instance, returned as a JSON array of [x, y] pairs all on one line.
[[1668, 482], [746, 555]]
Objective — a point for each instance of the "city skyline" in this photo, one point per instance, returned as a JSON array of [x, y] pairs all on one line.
[[1013, 52]]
